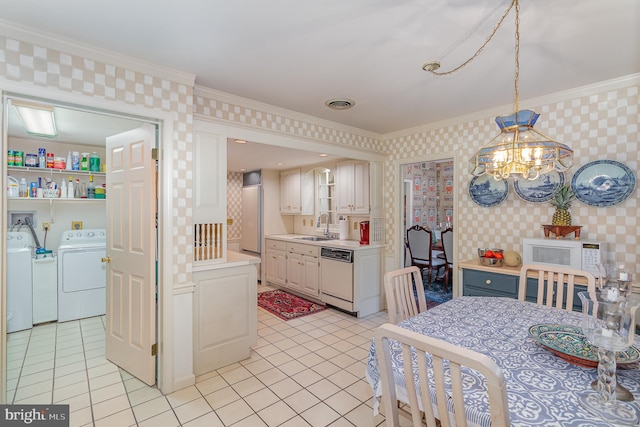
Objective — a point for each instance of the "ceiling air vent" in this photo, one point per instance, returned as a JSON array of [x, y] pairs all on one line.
[[340, 104]]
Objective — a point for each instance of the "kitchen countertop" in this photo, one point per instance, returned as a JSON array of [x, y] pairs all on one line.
[[335, 243], [474, 264]]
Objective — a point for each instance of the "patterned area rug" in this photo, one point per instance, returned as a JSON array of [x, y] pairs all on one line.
[[287, 306], [436, 293]]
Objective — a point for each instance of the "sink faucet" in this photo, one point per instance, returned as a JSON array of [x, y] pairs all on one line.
[[326, 215]]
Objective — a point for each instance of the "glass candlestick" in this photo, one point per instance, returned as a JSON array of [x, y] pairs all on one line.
[[608, 323]]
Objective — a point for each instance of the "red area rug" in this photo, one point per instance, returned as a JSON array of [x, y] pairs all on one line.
[[287, 306]]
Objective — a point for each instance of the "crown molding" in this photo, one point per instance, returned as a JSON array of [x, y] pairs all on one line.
[[40, 38], [531, 103], [279, 111]]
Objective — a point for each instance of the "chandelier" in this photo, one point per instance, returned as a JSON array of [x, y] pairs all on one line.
[[518, 150]]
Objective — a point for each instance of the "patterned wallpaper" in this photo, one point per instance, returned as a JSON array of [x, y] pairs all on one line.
[[234, 204], [45, 67], [287, 126], [600, 125], [432, 186]]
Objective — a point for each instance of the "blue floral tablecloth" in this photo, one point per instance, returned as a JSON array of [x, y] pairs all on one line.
[[542, 388]]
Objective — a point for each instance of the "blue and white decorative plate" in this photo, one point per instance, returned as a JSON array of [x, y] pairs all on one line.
[[569, 343], [487, 192], [603, 183], [541, 189]]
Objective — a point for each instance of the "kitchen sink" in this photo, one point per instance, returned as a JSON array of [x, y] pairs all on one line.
[[316, 238]]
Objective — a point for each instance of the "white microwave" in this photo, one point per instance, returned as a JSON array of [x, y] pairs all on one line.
[[577, 254]]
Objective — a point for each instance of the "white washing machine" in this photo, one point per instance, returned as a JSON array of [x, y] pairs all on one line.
[[82, 275], [19, 281]]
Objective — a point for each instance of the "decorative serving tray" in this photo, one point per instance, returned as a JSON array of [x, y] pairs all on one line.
[[569, 343]]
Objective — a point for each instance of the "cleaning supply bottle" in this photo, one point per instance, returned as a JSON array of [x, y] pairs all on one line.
[[76, 189], [69, 165], [70, 190], [23, 191], [91, 189], [63, 190], [84, 163]]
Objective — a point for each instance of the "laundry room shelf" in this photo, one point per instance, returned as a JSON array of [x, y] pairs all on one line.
[[53, 200], [52, 171]]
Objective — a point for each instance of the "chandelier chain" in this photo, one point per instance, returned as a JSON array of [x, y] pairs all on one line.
[[486, 42], [516, 80]]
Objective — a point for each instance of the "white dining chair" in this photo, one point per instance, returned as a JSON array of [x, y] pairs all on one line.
[[436, 378], [402, 287], [551, 281]]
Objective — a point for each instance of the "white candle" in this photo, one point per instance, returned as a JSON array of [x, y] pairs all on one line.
[[624, 276]]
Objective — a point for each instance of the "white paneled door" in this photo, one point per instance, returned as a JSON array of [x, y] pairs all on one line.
[[131, 289]]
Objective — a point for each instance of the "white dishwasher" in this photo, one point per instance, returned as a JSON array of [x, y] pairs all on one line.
[[336, 277]]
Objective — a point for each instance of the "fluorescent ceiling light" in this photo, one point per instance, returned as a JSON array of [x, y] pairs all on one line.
[[38, 119]]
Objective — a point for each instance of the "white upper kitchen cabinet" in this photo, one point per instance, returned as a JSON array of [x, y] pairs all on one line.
[[296, 192], [352, 187]]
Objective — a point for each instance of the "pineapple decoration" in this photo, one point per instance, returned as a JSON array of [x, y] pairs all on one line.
[[562, 202]]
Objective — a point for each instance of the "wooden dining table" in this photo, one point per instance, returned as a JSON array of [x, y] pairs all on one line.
[[542, 387]]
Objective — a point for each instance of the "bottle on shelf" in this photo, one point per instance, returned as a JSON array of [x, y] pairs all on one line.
[[63, 190], [70, 190], [75, 159], [83, 190], [69, 165], [94, 162], [22, 188], [84, 163], [91, 189]]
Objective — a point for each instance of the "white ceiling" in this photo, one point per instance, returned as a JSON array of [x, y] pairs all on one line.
[[297, 54]]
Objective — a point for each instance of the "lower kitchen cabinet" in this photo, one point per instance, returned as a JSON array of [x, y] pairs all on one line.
[[477, 282], [293, 265], [303, 269], [485, 284], [276, 262]]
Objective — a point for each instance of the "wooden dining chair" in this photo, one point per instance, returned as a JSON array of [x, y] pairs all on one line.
[[552, 281], [447, 253], [404, 292], [420, 244], [436, 378]]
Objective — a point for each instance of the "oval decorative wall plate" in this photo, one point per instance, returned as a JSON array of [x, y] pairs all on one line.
[[603, 183]]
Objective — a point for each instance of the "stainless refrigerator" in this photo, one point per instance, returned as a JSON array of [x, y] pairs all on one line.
[[251, 219]]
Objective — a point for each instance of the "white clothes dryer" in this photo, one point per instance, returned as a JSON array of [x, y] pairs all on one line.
[[19, 281], [82, 275]]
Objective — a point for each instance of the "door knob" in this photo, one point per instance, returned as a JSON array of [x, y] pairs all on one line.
[[107, 259]]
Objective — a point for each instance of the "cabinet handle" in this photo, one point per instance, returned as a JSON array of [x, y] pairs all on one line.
[[488, 281]]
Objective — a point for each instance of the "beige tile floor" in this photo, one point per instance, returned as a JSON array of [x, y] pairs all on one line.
[[304, 372]]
